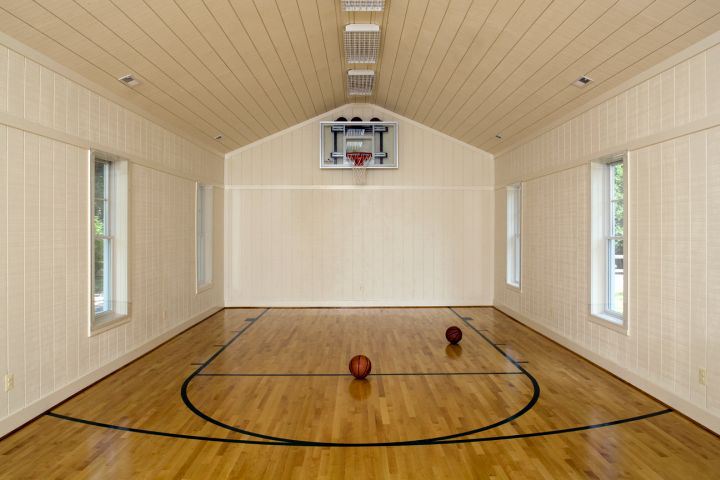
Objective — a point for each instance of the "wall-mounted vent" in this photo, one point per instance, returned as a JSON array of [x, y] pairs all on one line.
[[362, 42], [129, 80], [582, 81], [363, 5], [360, 82]]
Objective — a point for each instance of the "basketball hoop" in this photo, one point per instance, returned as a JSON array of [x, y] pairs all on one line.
[[359, 162]]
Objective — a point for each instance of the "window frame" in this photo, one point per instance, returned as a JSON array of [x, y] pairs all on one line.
[[513, 256], [602, 258], [116, 268], [204, 223], [107, 239]]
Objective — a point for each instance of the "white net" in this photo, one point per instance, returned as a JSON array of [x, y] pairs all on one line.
[[359, 162]]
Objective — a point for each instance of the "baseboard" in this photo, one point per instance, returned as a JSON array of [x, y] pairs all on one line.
[[244, 303], [701, 416], [21, 417]]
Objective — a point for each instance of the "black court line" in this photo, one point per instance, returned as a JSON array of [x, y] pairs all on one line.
[[420, 374], [260, 442], [451, 439], [422, 441]]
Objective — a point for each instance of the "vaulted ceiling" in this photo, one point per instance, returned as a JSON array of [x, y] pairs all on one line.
[[469, 68]]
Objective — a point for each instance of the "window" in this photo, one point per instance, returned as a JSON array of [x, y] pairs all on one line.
[[204, 237], [514, 216], [102, 243], [108, 241], [608, 288]]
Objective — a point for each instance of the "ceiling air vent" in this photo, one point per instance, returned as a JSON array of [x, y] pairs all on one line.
[[362, 42], [582, 81], [360, 82], [129, 80], [363, 5]]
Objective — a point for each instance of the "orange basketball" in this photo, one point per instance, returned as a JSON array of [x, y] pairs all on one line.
[[360, 366], [453, 335]]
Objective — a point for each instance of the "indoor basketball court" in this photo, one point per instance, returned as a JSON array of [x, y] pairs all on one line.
[[359, 239]]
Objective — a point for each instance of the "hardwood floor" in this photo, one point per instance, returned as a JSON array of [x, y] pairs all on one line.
[[251, 393]]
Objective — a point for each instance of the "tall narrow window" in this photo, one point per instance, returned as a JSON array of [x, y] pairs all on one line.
[[608, 226], [108, 241], [514, 216], [204, 237], [615, 239], [102, 259]]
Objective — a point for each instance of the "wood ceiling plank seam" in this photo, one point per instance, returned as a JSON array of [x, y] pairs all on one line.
[[668, 18], [412, 52], [380, 86], [181, 118], [443, 68], [489, 94], [242, 107], [231, 132], [281, 81], [333, 57], [313, 30], [619, 75], [313, 90], [252, 78], [408, 27], [219, 68], [405, 92], [327, 105], [500, 32], [412, 97], [261, 75], [562, 69], [219, 104], [565, 69], [294, 74], [382, 21], [460, 116]]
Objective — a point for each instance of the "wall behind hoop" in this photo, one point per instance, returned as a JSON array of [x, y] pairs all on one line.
[[297, 235]]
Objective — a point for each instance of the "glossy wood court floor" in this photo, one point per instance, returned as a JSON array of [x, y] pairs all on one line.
[[255, 393]]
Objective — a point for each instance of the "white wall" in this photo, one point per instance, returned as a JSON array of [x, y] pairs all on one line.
[[669, 122], [47, 124], [301, 236]]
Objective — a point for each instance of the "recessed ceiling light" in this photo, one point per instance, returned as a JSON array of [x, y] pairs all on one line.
[[360, 82], [362, 42], [363, 5], [129, 80], [582, 81], [218, 137]]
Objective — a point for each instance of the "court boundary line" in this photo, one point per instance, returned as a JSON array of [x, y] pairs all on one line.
[[440, 442]]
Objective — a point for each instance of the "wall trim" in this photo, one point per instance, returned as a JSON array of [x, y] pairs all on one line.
[[694, 412], [442, 303], [360, 187], [24, 125], [689, 128], [342, 109], [29, 412], [670, 62]]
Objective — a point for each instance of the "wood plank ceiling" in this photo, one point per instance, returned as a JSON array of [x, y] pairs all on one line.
[[469, 68]]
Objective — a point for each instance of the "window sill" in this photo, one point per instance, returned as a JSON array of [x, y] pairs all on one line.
[[512, 286], [203, 288], [611, 322], [107, 322]]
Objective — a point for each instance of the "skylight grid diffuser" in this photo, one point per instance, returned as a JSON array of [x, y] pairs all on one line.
[[363, 5], [362, 43], [360, 82]]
